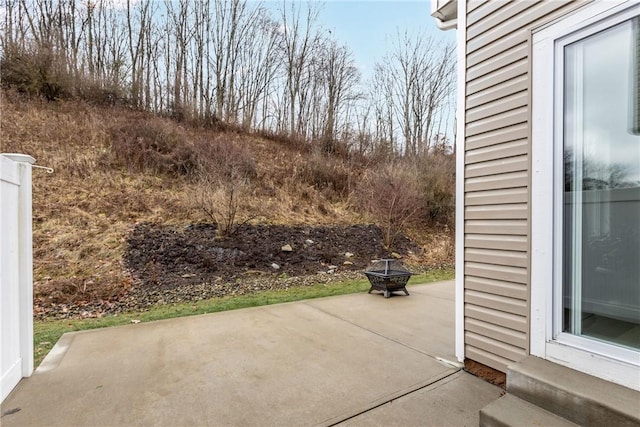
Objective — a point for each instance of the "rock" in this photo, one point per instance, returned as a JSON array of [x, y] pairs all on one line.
[[287, 248], [396, 255], [348, 255], [347, 263], [186, 276], [331, 271], [309, 242], [333, 267], [275, 266]]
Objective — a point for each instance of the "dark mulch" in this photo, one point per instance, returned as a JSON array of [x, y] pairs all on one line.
[[166, 257], [171, 264]]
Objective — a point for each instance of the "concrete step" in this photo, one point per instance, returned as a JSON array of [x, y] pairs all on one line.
[[511, 411], [575, 396]]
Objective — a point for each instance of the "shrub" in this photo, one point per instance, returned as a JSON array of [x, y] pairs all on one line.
[[96, 93], [437, 181], [153, 145], [221, 198], [392, 196], [283, 138], [35, 70], [225, 169], [157, 145]]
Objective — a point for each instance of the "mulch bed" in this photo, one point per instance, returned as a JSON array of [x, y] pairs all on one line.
[[166, 257], [172, 264]]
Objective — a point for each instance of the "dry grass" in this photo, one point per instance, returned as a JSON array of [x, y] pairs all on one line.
[[85, 209]]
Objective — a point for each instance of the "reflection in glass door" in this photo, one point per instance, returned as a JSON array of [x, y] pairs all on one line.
[[601, 205]]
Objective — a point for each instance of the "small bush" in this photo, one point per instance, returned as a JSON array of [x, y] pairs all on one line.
[[97, 94], [392, 196], [221, 199], [332, 147], [157, 145], [225, 170], [153, 145]]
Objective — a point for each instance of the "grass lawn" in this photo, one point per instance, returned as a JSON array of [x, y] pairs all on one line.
[[47, 332]]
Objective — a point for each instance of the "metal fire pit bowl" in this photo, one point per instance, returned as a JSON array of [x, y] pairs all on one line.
[[387, 276]]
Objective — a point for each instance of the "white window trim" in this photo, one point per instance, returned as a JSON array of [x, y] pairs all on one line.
[[599, 359]]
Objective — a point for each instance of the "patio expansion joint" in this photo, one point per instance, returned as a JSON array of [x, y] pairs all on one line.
[[436, 381], [434, 357]]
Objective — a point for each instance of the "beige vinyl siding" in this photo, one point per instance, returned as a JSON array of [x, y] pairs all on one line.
[[505, 180], [496, 256], [500, 319], [493, 197], [513, 210], [508, 336], [497, 136], [518, 84], [495, 241], [498, 287], [491, 167], [474, 4], [498, 151], [496, 252]]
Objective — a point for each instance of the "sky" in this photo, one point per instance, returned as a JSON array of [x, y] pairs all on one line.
[[369, 27]]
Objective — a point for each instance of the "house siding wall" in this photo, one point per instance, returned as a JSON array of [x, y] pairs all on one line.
[[496, 176]]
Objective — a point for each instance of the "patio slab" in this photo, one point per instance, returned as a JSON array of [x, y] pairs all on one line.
[[423, 321], [451, 401], [315, 362]]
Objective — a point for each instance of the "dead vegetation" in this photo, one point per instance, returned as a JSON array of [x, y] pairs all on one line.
[[116, 167]]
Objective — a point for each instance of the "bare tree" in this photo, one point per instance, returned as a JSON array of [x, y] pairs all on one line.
[[226, 35], [137, 30], [339, 77], [413, 84], [177, 64], [235, 62], [259, 64], [299, 36]]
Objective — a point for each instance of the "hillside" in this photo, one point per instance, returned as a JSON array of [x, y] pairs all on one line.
[[120, 172]]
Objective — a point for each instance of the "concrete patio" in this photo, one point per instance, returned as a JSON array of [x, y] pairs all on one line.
[[350, 360]]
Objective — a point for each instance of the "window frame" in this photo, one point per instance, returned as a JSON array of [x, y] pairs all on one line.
[[601, 359]]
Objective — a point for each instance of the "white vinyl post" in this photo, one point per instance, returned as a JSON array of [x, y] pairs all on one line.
[[25, 260]]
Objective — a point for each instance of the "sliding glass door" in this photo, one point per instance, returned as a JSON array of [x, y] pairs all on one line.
[[600, 198]]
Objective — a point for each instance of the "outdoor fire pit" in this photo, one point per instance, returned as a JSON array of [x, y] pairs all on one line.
[[388, 275]]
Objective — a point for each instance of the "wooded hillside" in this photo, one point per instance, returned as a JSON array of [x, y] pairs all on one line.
[[160, 116], [233, 63], [115, 167]]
